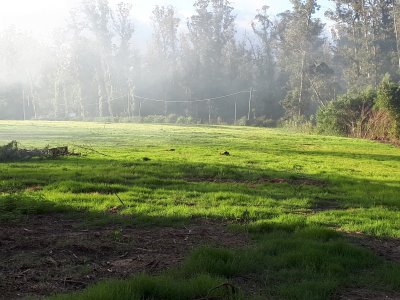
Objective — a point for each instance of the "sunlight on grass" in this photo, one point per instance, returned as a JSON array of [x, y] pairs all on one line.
[[292, 193]]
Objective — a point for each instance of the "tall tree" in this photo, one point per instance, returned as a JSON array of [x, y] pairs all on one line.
[[98, 16], [300, 46]]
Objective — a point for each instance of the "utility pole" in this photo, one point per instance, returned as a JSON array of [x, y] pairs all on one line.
[[23, 104], [129, 106], [140, 109], [209, 111], [250, 99], [236, 111]]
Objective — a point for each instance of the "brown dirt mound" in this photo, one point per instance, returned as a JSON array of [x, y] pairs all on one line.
[[322, 205], [50, 254]]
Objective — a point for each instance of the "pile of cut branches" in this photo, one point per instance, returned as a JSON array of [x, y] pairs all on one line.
[[12, 152]]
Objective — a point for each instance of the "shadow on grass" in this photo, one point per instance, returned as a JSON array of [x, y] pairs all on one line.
[[347, 155], [291, 259], [75, 176]]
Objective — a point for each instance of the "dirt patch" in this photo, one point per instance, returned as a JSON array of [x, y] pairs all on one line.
[[364, 294], [253, 183], [251, 284], [322, 205], [384, 247], [50, 254]]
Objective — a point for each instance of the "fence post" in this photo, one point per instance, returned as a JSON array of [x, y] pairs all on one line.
[[23, 104], [209, 112], [236, 111], [250, 99]]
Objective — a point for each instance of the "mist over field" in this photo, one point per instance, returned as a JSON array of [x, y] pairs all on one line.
[[199, 150], [197, 65]]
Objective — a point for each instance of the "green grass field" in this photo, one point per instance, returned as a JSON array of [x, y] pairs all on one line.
[[304, 200]]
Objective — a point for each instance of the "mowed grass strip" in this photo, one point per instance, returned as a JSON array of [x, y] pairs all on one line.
[[292, 192]]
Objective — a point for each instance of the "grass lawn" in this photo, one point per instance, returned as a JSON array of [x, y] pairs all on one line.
[[311, 217]]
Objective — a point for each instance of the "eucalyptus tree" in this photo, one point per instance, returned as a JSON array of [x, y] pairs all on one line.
[[23, 61], [211, 30], [366, 40], [300, 44], [97, 14], [266, 72], [123, 63], [210, 39], [163, 56]]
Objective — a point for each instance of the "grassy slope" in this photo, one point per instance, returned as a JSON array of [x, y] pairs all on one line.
[[297, 255]]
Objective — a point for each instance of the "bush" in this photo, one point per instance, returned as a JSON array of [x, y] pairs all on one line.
[[299, 124], [154, 119], [263, 122], [182, 120], [172, 118], [388, 100], [367, 114], [242, 121], [348, 115]]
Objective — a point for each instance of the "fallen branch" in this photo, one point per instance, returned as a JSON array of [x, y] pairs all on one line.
[[231, 290], [12, 152], [120, 200]]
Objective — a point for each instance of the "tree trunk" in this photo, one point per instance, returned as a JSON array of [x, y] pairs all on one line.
[[396, 30], [66, 104], [303, 63], [56, 98], [100, 98], [81, 103]]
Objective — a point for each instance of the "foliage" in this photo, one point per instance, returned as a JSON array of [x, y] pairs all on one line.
[[388, 100], [348, 115], [371, 113], [264, 122], [298, 124], [258, 122]]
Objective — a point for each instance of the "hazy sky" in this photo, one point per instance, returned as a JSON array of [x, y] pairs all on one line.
[[41, 17]]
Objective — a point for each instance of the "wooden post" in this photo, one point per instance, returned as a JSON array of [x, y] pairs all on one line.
[[33, 101], [235, 111], [129, 105], [209, 111], [23, 104], [250, 99]]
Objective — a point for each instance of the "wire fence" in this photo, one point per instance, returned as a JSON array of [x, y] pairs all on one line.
[[131, 97]]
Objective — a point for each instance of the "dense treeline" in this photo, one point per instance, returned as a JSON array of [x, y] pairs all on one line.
[[93, 70]]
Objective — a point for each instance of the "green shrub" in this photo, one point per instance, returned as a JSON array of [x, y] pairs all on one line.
[[154, 119], [172, 118], [348, 115], [261, 122], [242, 121], [388, 100], [298, 124]]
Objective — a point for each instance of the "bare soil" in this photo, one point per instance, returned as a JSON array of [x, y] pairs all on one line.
[[51, 254], [389, 249], [364, 294], [322, 205], [384, 247]]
